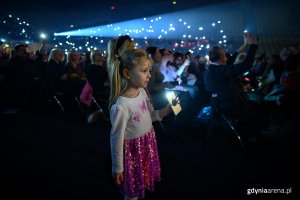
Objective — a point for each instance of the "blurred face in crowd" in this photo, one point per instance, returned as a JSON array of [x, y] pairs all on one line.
[[167, 56], [179, 61], [59, 57], [98, 57], [223, 58], [75, 57], [157, 56], [22, 52]]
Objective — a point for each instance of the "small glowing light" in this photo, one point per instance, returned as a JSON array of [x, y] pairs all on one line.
[[145, 19], [180, 20], [184, 23], [2, 40], [224, 36], [174, 2], [213, 24], [221, 31], [200, 28], [188, 26], [207, 57], [112, 8], [219, 22], [10, 16], [169, 95], [184, 36], [245, 31], [43, 36]]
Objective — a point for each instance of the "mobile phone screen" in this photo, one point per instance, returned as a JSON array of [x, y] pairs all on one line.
[[171, 97]]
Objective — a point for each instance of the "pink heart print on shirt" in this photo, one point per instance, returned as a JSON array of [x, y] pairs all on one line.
[[137, 117], [143, 107]]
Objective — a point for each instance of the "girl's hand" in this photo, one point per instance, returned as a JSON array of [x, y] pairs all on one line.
[[118, 178]]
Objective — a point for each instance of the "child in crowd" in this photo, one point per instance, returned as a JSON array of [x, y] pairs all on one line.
[[135, 160]]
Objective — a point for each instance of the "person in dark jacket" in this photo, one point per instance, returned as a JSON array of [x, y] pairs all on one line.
[[221, 81]]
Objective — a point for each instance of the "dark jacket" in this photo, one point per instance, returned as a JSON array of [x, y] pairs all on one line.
[[222, 80]]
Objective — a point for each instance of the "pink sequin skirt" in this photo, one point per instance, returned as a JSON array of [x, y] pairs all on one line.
[[141, 167]]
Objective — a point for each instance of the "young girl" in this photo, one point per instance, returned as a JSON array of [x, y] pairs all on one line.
[[135, 160]]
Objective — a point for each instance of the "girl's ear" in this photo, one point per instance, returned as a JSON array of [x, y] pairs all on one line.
[[126, 74]]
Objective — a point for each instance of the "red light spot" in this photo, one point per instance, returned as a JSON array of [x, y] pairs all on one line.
[[112, 7]]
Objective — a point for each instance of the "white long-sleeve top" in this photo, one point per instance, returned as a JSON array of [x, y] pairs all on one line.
[[130, 118]]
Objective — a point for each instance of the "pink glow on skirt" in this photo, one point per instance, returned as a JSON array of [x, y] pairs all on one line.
[[141, 166]]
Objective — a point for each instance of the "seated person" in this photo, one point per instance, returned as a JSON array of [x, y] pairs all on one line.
[[97, 77], [159, 85], [74, 77]]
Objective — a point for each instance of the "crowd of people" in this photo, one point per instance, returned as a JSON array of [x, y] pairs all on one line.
[[131, 83]]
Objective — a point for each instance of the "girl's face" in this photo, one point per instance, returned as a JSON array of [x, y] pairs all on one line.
[[139, 76]]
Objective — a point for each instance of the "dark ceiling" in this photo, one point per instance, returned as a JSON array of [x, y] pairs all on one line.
[[55, 15]]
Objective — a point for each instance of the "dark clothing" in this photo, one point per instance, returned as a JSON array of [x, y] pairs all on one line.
[[222, 80], [75, 82], [54, 74], [97, 76]]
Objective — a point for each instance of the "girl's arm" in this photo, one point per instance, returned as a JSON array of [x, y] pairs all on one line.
[[119, 120], [165, 111], [158, 115]]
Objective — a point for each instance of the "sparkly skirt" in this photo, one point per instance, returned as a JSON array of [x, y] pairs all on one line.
[[141, 165]]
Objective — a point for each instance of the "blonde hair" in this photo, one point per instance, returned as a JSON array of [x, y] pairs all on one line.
[[53, 52], [116, 47], [128, 60], [93, 55]]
